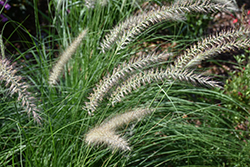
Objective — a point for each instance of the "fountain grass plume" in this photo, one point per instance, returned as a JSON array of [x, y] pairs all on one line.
[[132, 27], [120, 73], [155, 76], [64, 58], [105, 133], [231, 4], [8, 75], [213, 45]]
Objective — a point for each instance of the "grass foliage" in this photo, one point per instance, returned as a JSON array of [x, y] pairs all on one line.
[[111, 101]]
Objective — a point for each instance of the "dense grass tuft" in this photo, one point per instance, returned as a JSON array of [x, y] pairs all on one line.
[[114, 101]]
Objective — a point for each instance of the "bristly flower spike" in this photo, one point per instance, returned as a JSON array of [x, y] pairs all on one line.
[[8, 74], [154, 76], [119, 73], [127, 31], [213, 45], [106, 132], [64, 58]]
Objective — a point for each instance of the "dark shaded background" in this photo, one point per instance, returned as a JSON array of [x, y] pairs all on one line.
[[22, 13]]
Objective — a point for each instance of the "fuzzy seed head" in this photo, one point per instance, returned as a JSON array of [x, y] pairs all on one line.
[[105, 133], [64, 58]]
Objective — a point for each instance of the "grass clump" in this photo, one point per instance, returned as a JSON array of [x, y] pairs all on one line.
[[119, 104]]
